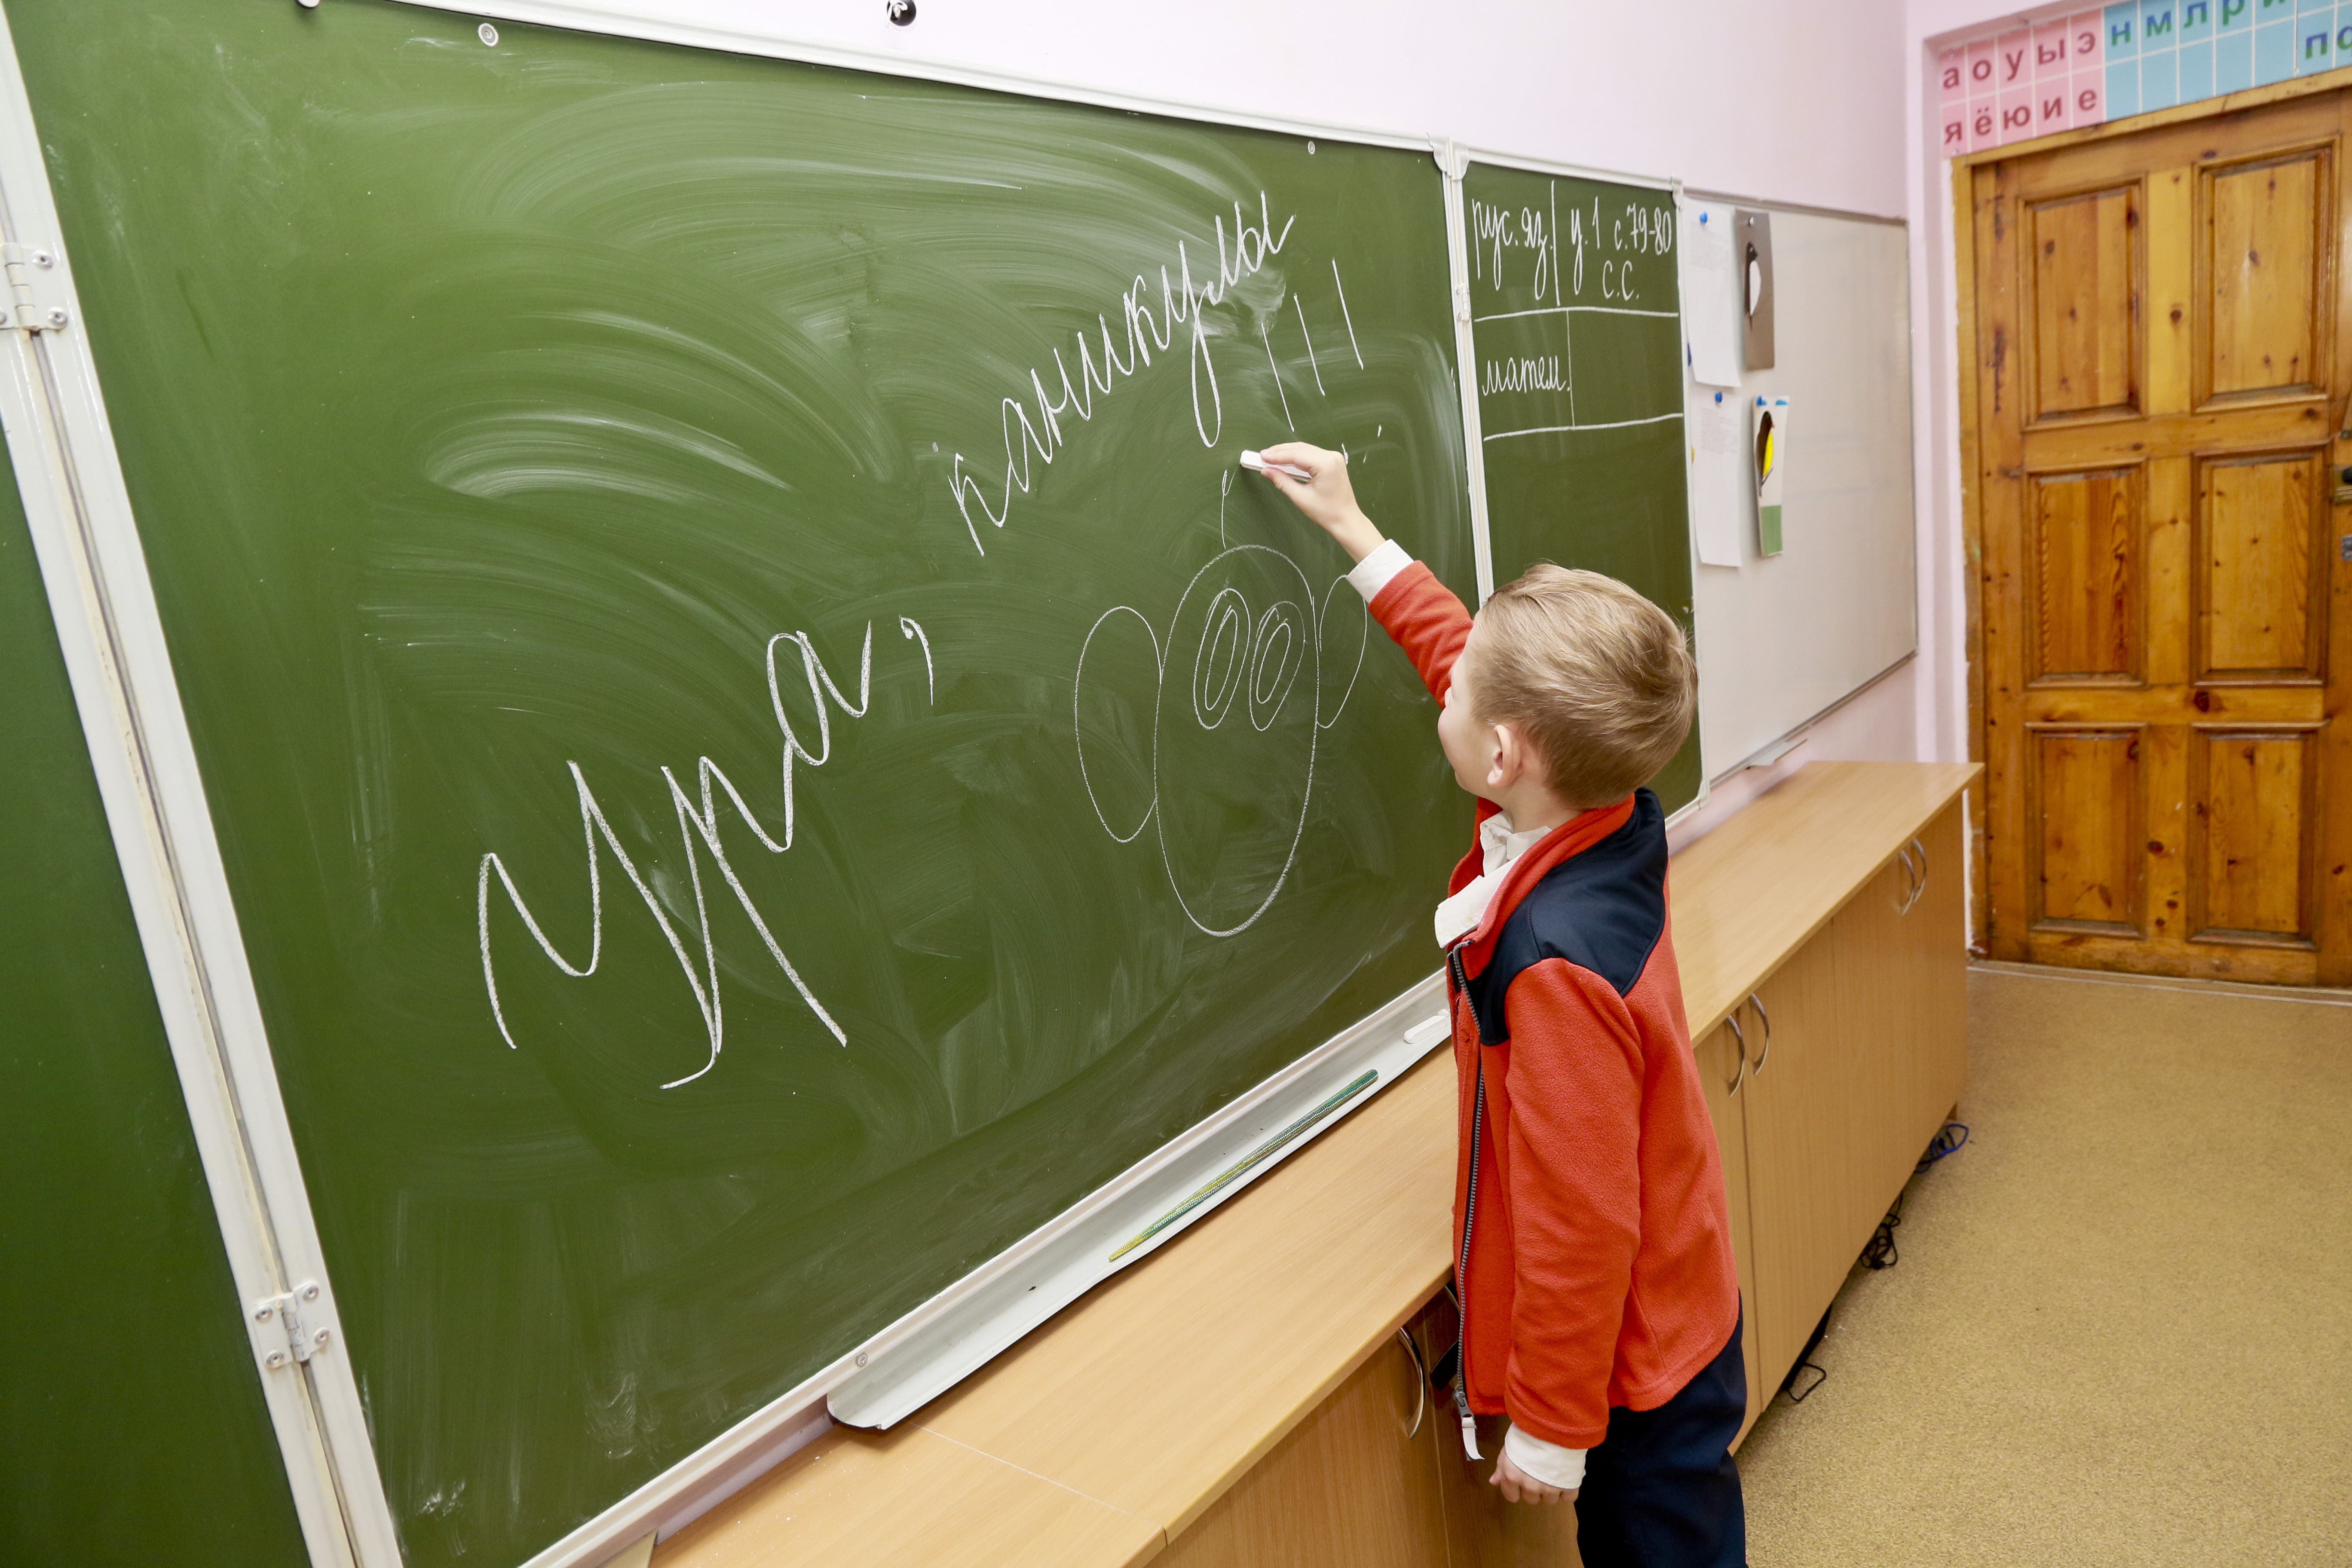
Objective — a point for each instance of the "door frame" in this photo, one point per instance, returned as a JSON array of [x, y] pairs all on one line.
[[1964, 170]]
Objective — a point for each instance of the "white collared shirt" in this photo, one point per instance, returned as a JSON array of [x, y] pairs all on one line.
[[1500, 844]]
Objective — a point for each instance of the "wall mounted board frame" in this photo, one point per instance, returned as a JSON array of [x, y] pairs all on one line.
[[104, 606]]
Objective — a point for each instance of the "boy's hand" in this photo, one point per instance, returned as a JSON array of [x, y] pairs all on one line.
[[1328, 499], [1520, 1487]]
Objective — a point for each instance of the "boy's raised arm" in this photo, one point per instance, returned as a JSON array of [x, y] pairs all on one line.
[[1413, 607]]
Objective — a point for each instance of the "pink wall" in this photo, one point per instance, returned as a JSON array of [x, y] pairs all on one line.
[[1754, 100]]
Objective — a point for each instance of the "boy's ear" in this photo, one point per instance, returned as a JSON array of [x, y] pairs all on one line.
[[1511, 756]]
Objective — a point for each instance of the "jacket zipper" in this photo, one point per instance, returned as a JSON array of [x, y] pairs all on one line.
[[1469, 1220]]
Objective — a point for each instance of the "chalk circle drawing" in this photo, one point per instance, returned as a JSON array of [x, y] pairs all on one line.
[[1230, 769]]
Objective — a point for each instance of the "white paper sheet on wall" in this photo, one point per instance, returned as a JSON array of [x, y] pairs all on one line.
[[1710, 284], [1718, 476]]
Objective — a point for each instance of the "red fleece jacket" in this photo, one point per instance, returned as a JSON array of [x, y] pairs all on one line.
[[1596, 1269]]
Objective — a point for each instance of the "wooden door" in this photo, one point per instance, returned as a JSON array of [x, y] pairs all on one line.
[[2159, 375], [1723, 1060], [1799, 1121]]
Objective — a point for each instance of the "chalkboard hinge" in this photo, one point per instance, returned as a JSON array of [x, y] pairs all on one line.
[[36, 288], [289, 1327]]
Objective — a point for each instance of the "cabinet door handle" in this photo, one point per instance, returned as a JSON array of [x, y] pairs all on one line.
[[1741, 1076], [1758, 1003], [1420, 1382], [1919, 882], [1910, 880]]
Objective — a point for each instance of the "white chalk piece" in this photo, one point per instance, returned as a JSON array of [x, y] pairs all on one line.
[[1258, 465]]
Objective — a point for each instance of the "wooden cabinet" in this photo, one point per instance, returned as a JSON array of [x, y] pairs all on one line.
[[1856, 1047], [1356, 1483]]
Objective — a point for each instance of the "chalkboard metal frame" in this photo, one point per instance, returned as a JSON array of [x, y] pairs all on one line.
[[103, 603]]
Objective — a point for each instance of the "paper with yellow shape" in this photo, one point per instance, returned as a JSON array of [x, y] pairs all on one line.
[[1772, 423]]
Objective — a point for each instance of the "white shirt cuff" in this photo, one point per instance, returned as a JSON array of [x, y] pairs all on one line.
[[1547, 1462], [1376, 570]]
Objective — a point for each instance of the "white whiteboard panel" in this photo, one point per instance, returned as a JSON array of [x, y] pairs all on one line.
[[1782, 638]]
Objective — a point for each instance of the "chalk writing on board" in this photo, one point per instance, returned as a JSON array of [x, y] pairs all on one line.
[[1540, 373], [1143, 332], [1535, 256], [697, 819], [1246, 629]]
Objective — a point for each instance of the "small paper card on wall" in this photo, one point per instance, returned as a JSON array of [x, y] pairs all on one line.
[[1771, 443], [1710, 281], [1718, 488]]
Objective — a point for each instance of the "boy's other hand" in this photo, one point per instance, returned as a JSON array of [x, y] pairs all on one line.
[[1327, 499], [1520, 1487]]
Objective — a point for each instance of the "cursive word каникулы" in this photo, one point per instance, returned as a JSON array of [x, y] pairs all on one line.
[[1125, 351]]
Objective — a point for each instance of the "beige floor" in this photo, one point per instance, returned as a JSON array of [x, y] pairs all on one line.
[[2121, 1330]]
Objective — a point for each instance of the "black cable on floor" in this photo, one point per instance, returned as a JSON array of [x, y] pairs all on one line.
[[1805, 1363]]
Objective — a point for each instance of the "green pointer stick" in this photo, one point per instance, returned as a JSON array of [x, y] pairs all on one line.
[[1226, 1177]]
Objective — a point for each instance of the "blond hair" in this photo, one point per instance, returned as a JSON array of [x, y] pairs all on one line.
[[1598, 678]]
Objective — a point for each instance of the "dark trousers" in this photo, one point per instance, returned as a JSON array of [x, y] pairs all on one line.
[[1661, 1490]]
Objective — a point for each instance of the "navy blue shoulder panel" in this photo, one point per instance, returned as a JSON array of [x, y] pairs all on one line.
[[1603, 911]]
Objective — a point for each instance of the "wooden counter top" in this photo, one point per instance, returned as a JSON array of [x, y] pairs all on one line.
[[1111, 1429], [1756, 889]]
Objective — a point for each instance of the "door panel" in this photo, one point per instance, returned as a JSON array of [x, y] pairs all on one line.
[[2087, 574], [2266, 259], [2086, 281], [2258, 524], [2253, 816], [2086, 813], [2162, 597]]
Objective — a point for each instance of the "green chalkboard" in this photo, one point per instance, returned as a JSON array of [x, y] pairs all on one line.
[[719, 525], [131, 1426], [1576, 313]]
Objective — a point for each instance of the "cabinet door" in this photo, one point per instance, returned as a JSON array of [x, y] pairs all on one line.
[[1935, 947], [1722, 1069], [1802, 1107], [1878, 1015], [1902, 961], [1355, 1485]]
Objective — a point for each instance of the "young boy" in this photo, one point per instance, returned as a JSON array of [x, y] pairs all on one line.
[[1600, 1301]]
